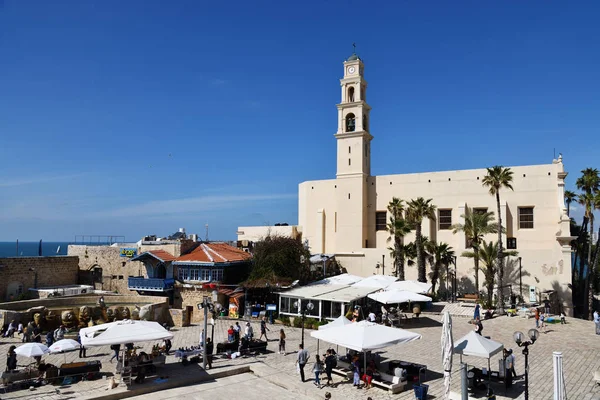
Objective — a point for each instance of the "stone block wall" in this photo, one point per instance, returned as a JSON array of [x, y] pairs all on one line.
[[115, 269], [51, 271], [191, 296]]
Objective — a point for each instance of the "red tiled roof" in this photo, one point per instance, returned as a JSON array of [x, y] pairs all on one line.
[[215, 253], [162, 255]]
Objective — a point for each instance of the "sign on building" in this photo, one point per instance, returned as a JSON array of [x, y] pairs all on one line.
[[128, 252]]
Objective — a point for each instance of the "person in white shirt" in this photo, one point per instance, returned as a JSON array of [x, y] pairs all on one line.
[[597, 322], [249, 332], [372, 316]]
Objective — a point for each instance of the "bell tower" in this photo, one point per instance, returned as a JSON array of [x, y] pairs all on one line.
[[353, 137], [353, 159]]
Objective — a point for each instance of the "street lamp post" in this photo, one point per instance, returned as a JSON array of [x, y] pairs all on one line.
[[206, 305], [519, 336], [309, 306]]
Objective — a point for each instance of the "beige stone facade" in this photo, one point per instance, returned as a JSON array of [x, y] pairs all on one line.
[[346, 216], [109, 271], [21, 273]]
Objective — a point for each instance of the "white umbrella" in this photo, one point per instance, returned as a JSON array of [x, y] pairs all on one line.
[[127, 331], [411, 286], [365, 336], [32, 349], [447, 347], [339, 321], [376, 281], [397, 296], [64, 345]]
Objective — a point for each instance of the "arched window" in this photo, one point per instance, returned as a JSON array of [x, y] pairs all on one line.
[[161, 271], [350, 122], [365, 123], [351, 94]]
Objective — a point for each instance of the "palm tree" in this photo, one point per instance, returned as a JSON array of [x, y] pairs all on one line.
[[569, 198], [498, 178], [440, 255], [488, 254], [417, 210], [398, 228], [476, 226], [589, 183]]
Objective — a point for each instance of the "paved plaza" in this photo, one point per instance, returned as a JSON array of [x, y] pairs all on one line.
[[275, 375]]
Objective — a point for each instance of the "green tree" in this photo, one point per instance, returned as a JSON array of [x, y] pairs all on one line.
[[398, 227], [569, 198], [440, 256], [476, 226], [277, 259], [488, 254], [418, 209], [589, 184], [498, 178]]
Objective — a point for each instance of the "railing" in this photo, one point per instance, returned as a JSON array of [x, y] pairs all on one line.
[[150, 284]]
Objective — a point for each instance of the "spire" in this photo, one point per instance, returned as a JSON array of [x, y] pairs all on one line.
[[353, 56]]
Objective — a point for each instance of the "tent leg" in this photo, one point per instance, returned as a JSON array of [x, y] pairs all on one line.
[[464, 386], [318, 346]]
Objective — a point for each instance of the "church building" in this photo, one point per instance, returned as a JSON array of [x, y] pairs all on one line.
[[347, 216]]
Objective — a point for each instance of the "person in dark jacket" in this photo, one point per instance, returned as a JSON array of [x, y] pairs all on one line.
[[209, 352], [330, 362], [11, 359]]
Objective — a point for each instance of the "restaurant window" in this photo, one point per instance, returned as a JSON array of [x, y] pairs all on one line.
[[285, 305], [204, 275], [525, 217], [315, 311], [445, 219], [381, 220], [336, 309], [217, 274]]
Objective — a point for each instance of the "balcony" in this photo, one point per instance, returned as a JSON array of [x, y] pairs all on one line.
[[150, 284]]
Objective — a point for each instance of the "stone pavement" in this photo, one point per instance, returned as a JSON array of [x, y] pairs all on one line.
[[577, 341]]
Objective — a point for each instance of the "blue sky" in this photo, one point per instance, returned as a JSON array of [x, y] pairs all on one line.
[[138, 117]]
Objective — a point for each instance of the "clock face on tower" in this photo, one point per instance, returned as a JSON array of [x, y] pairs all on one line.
[[351, 70]]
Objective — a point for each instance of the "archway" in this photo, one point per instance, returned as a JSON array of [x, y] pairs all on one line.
[[351, 94], [350, 122], [161, 271]]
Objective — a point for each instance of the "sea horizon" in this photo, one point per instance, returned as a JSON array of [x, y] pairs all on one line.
[[31, 249]]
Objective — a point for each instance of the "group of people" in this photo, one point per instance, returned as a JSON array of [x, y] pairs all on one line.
[[320, 366]]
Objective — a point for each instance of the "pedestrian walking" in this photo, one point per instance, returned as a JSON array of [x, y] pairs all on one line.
[[597, 322], [317, 369], [116, 348], [263, 329], [330, 364], [547, 306], [537, 318], [543, 322], [281, 342], [511, 356], [82, 349], [236, 331], [478, 326], [230, 334], [302, 360], [209, 352]]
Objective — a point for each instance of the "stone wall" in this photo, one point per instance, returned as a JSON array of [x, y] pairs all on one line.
[[190, 297], [115, 269], [51, 271]]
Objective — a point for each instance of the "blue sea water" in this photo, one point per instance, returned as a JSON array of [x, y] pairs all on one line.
[[29, 249]]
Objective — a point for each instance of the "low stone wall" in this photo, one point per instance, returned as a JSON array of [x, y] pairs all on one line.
[[83, 310]]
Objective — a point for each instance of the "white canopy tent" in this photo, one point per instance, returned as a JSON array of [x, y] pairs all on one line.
[[122, 332], [376, 281], [397, 296], [473, 344], [336, 323], [411, 286], [365, 336]]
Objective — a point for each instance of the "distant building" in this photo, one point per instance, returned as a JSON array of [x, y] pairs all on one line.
[[178, 267], [347, 216]]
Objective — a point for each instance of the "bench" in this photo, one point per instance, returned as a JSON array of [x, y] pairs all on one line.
[[345, 372], [597, 377], [468, 298], [392, 383]]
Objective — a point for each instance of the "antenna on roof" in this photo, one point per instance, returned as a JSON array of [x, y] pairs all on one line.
[[206, 238]]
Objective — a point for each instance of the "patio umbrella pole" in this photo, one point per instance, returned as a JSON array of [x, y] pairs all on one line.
[[464, 386]]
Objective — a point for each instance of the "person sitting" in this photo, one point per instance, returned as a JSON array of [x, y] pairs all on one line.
[[368, 375], [12, 327], [11, 359]]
